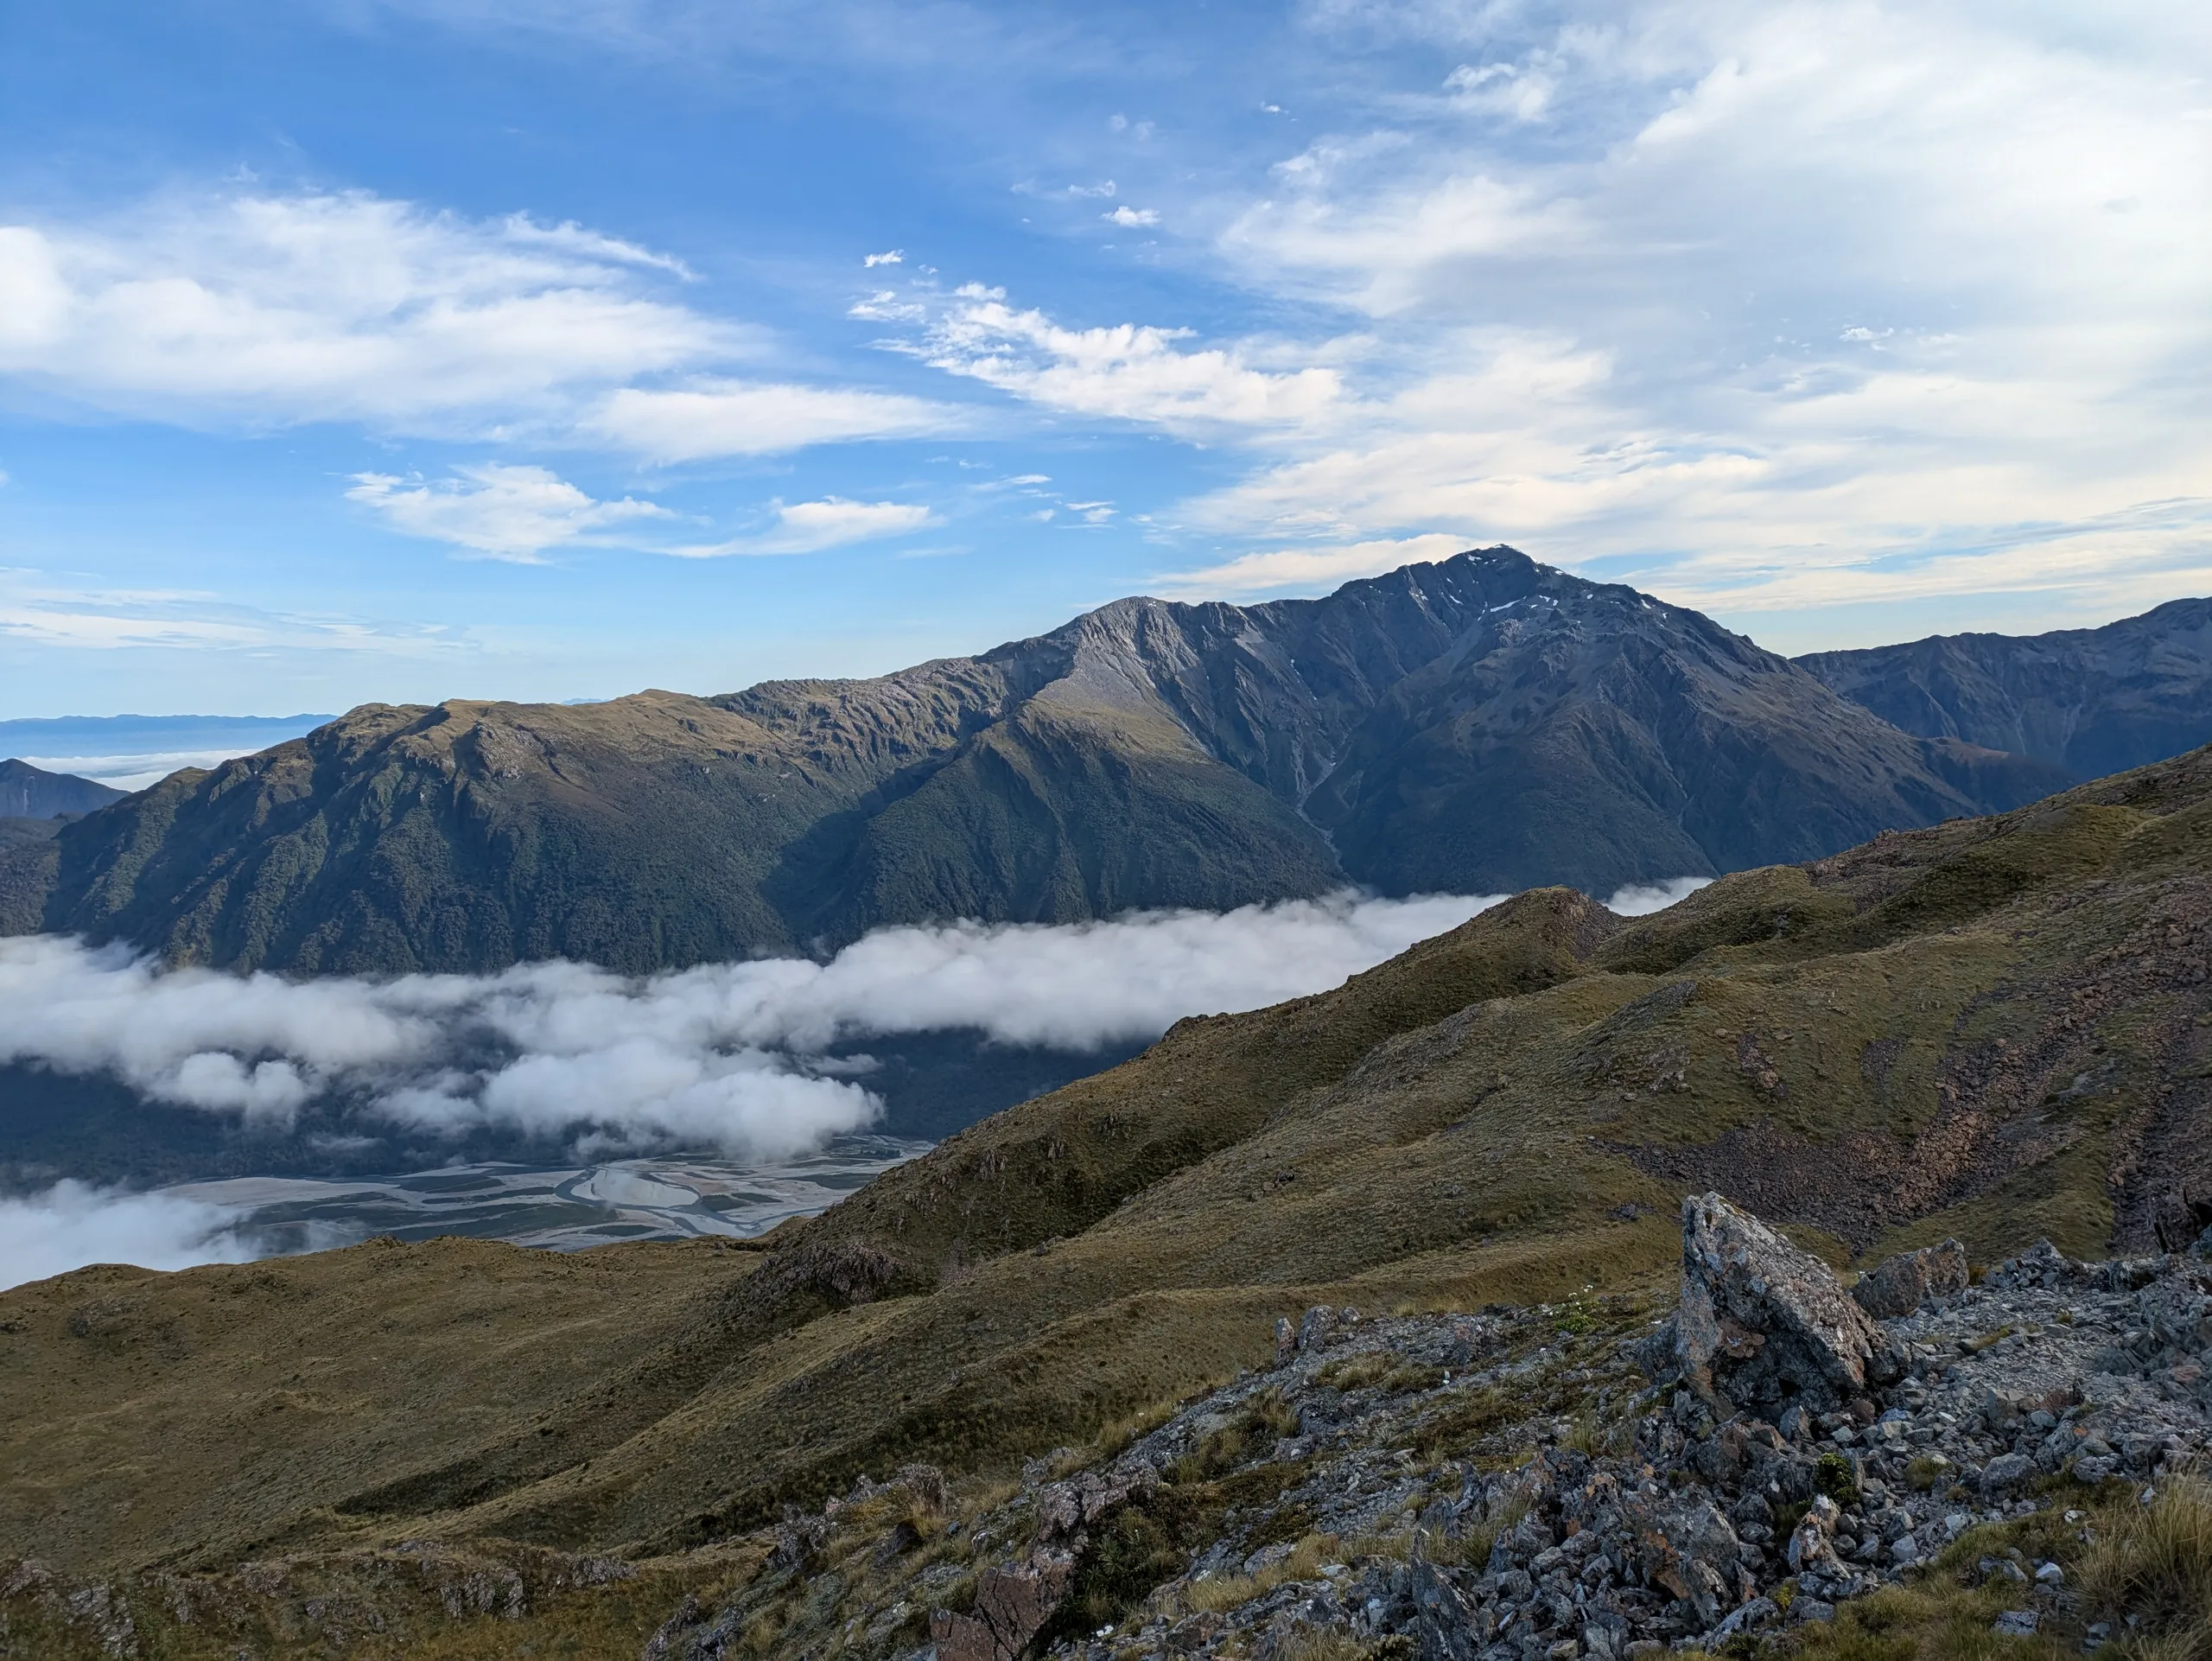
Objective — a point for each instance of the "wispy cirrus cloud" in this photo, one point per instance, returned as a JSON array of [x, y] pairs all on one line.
[[813, 527], [499, 511], [733, 418], [350, 307], [1130, 372]]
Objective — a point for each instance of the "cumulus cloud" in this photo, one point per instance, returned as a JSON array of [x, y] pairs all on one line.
[[810, 527], [730, 1054], [499, 511], [258, 310], [72, 1224], [1131, 218], [1129, 372]]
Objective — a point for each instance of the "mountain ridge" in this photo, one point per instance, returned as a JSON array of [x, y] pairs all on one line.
[[2093, 700], [1484, 724]]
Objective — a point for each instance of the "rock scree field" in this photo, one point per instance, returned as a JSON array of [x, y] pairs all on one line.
[[1086, 1378]]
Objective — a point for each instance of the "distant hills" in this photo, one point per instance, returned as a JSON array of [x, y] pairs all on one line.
[[2092, 701], [1483, 725], [30, 792]]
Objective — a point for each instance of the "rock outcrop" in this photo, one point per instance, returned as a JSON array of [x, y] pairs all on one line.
[[1899, 1285], [1764, 1324]]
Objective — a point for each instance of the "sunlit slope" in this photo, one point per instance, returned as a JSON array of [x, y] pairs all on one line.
[[1991, 1028]]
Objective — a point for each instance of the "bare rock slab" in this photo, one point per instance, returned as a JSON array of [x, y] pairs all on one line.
[[1764, 1324]]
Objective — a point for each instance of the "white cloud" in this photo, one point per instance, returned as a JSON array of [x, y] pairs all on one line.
[[810, 527], [894, 257], [1306, 569], [346, 306], [1128, 370], [729, 417], [1131, 218], [723, 1054], [36, 610], [257, 310], [1642, 899], [71, 1224], [496, 511], [1804, 304]]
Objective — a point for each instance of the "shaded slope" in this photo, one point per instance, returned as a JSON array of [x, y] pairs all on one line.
[[30, 792], [2092, 701], [1999, 1028], [1479, 725]]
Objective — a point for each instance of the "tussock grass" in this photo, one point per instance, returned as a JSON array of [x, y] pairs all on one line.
[[2154, 1563]]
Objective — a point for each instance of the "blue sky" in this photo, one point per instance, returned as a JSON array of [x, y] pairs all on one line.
[[402, 349]]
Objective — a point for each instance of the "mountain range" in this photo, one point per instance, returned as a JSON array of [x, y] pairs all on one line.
[[1479, 725]]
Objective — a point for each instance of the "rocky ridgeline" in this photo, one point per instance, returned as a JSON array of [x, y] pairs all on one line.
[[1513, 1486]]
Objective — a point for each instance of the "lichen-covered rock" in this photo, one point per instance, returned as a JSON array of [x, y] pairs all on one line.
[[1899, 1285], [1012, 1606], [1762, 1323]]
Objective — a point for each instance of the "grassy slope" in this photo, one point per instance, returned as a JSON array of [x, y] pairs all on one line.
[[1991, 1027]]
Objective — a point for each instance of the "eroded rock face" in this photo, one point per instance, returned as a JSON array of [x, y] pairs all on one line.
[[1764, 1323], [1899, 1285]]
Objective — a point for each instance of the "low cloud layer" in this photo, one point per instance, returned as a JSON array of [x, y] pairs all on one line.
[[72, 1224], [739, 1056]]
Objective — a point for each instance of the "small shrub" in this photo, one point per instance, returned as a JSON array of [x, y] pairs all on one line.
[[1413, 1375], [1266, 1420], [1219, 1594], [1925, 1471], [1478, 1538], [1467, 1421], [1832, 1476], [1306, 1557]]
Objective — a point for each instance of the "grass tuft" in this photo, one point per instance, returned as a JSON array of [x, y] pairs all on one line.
[[2154, 1564]]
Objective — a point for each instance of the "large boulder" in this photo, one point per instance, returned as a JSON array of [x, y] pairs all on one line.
[[1901, 1284], [1762, 1323]]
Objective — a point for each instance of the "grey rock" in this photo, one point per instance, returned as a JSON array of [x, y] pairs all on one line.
[[2015, 1623], [1445, 1617], [1899, 1285], [1763, 1322], [2006, 1471]]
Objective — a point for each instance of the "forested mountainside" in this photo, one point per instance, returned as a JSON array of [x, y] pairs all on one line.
[[30, 792]]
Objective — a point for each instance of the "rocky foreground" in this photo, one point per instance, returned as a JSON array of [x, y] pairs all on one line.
[[1521, 1485], [1593, 1479]]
